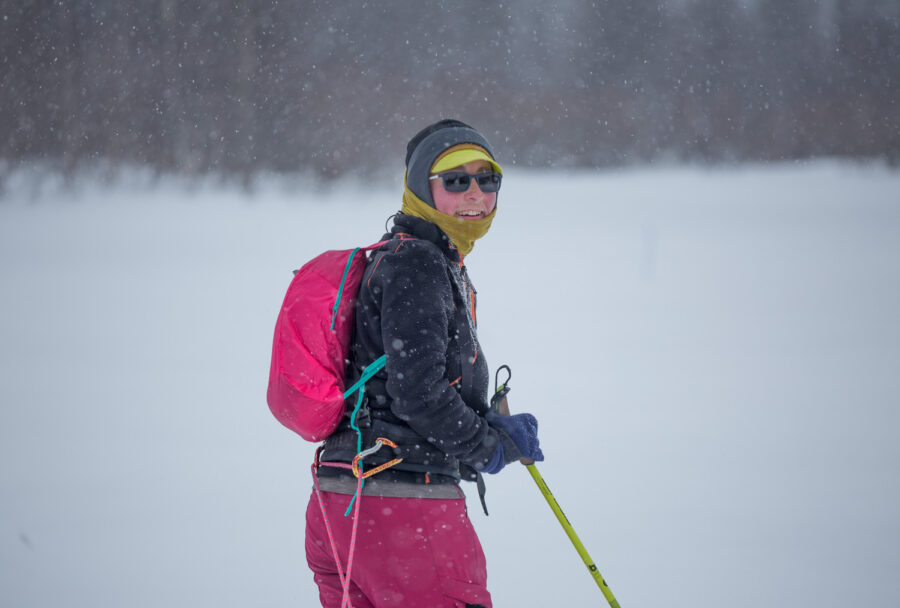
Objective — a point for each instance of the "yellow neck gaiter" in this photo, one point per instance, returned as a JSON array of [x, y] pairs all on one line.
[[462, 232]]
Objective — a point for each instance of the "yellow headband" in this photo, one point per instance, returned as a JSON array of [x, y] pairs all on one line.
[[463, 156]]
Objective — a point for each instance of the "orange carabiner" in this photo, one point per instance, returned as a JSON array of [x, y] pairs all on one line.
[[381, 441]]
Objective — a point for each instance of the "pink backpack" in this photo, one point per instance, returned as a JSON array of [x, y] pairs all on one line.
[[312, 341]]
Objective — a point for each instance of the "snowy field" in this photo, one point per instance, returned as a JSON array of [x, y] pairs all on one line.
[[713, 356]]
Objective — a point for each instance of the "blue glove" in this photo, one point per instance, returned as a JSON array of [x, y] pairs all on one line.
[[518, 439]]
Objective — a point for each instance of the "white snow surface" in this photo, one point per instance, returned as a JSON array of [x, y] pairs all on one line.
[[713, 356]]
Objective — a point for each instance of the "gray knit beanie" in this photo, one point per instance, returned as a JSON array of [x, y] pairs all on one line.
[[429, 143]]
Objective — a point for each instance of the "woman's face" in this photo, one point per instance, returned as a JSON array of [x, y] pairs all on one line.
[[473, 204]]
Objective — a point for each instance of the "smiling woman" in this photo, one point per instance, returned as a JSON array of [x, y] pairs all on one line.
[[442, 161], [427, 410]]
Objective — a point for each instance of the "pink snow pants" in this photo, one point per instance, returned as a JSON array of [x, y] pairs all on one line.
[[410, 552]]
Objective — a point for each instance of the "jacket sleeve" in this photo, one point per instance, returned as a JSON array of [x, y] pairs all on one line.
[[416, 299]]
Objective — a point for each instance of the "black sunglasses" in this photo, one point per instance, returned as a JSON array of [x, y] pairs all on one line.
[[458, 181]]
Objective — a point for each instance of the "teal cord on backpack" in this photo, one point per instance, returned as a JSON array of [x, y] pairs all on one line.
[[337, 301], [360, 385], [370, 371]]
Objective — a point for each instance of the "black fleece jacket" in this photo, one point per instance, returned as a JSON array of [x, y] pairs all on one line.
[[417, 305]]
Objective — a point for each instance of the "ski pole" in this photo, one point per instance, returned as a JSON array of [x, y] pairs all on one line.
[[500, 405], [607, 593]]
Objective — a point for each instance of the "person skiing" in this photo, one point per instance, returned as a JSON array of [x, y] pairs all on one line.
[[411, 542]]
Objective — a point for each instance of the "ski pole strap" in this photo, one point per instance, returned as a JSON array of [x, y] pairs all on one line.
[[500, 390], [505, 386]]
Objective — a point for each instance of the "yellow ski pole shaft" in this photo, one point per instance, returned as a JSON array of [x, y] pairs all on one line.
[[607, 593]]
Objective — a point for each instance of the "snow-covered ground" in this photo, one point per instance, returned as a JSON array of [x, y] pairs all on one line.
[[713, 356]]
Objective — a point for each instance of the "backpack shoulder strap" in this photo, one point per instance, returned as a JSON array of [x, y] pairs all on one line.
[[374, 245], [337, 301]]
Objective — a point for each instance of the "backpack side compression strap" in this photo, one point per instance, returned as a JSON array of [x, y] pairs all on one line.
[[370, 371]]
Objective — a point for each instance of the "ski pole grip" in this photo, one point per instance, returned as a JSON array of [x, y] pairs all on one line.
[[501, 406]]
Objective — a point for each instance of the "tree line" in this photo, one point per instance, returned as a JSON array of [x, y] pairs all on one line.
[[330, 88]]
